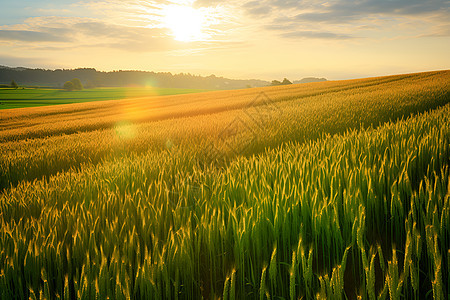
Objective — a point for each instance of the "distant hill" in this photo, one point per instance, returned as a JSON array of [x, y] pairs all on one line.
[[93, 78], [309, 80]]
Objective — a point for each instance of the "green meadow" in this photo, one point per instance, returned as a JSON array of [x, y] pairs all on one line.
[[34, 97]]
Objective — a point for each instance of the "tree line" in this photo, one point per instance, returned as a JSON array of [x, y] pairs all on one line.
[[91, 78]]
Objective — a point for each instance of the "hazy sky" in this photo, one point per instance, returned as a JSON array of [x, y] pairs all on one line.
[[336, 39]]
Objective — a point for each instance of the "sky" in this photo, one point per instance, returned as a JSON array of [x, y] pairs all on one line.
[[336, 39]]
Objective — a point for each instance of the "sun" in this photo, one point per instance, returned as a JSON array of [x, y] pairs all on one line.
[[185, 22]]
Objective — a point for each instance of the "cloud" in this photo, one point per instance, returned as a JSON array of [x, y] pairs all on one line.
[[257, 8], [135, 25], [209, 3], [86, 32], [341, 8], [317, 35], [14, 61], [348, 11], [29, 36], [293, 31], [321, 19], [125, 25], [104, 30], [439, 31]]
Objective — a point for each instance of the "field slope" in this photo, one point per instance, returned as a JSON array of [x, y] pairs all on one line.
[[324, 190]]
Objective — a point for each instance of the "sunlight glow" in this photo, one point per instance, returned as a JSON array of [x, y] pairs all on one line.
[[185, 22], [125, 130]]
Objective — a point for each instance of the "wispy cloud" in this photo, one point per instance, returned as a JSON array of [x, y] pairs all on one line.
[[86, 32], [342, 19], [256, 8], [438, 31], [138, 22], [349, 11], [353, 9], [129, 25], [317, 35], [293, 18], [29, 36]]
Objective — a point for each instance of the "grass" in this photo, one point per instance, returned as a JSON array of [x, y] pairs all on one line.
[[342, 192], [35, 97]]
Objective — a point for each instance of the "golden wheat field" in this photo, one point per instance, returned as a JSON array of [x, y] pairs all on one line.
[[331, 190]]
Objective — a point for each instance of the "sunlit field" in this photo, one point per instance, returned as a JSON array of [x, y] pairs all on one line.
[[331, 190]]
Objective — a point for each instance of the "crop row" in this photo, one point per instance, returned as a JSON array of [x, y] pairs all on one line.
[[268, 120], [364, 214]]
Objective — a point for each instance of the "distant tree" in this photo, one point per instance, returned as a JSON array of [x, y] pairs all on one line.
[[276, 82], [14, 85], [68, 86], [286, 81], [248, 86], [77, 84]]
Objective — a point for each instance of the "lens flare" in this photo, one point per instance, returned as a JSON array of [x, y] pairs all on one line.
[[125, 130]]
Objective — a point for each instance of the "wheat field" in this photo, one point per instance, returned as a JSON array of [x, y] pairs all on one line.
[[336, 190]]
